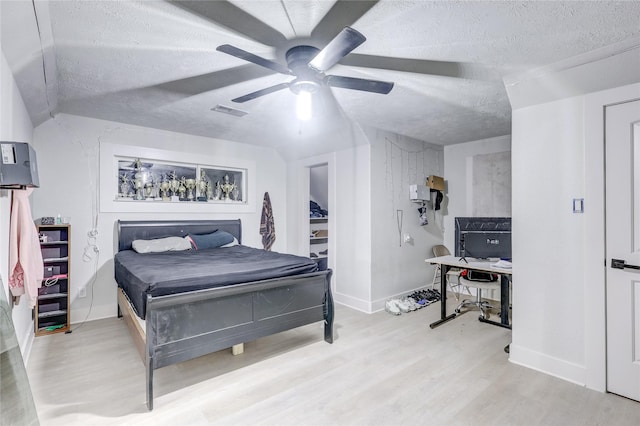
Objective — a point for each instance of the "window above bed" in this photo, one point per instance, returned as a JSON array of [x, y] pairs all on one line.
[[137, 179]]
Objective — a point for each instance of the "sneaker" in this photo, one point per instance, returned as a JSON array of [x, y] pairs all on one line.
[[411, 303], [392, 308], [422, 302], [433, 295], [401, 305], [416, 296]]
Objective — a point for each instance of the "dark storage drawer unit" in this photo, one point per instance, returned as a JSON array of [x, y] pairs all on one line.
[[52, 313]]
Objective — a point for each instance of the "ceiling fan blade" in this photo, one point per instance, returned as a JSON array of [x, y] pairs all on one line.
[[195, 85], [375, 86], [338, 48], [261, 92], [422, 66], [234, 18], [250, 57], [343, 13]]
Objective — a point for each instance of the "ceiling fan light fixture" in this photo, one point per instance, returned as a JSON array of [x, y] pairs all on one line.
[[300, 85]]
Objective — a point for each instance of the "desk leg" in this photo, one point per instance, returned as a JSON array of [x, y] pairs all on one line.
[[504, 304], [504, 299], [443, 298]]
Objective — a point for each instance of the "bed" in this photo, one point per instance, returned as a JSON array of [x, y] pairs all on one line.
[[188, 310]]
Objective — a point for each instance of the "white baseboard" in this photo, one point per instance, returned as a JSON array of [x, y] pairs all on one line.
[[26, 344], [552, 366], [81, 315], [352, 302]]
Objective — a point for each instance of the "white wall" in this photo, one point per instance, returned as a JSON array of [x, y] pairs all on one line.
[[368, 182], [558, 149], [352, 228], [548, 172], [559, 317], [349, 217], [15, 125], [68, 149], [319, 185], [398, 268], [458, 163]]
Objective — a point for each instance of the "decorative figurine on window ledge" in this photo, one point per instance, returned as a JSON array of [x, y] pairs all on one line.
[[124, 185], [190, 184], [174, 183], [138, 181], [203, 186], [227, 187]]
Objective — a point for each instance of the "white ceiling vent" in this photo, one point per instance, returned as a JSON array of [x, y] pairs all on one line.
[[228, 110]]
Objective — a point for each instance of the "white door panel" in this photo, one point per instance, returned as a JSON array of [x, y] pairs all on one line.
[[622, 142]]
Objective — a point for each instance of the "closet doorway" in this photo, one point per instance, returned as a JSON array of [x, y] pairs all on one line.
[[319, 213]]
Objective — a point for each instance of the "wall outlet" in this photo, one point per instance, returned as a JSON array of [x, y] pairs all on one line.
[[82, 293]]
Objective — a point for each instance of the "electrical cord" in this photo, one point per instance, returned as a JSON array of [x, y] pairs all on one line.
[[50, 281], [399, 217], [91, 285], [90, 251], [91, 248]]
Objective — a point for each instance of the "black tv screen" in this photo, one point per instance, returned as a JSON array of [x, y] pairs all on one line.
[[483, 237], [484, 245]]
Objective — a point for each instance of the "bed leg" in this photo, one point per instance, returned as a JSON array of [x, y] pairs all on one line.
[[328, 312], [328, 328], [150, 384], [237, 349]]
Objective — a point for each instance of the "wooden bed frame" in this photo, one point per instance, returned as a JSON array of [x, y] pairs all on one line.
[[184, 326]]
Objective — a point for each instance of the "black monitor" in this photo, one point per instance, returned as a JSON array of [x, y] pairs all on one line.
[[483, 237]]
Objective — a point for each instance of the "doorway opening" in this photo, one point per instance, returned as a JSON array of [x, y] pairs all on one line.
[[319, 210]]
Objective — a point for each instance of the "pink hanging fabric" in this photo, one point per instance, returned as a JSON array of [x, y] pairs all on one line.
[[26, 268]]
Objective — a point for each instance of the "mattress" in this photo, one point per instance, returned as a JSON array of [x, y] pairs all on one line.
[[160, 274]]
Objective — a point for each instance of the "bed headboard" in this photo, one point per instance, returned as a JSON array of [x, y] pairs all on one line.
[[130, 230]]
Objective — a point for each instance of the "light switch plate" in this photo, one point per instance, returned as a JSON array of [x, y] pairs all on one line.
[[578, 205]]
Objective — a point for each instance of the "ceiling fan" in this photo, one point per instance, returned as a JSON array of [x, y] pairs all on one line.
[[308, 65]]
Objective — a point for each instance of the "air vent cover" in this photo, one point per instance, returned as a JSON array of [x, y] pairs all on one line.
[[228, 110]]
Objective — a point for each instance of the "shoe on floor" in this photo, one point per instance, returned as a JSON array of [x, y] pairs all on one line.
[[401, 305], [391, 307], [411, 304]]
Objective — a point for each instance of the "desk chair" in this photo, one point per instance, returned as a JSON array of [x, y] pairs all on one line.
[[479, 286], [453, 274]]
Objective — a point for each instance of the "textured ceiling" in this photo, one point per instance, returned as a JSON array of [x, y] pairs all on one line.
[[155, 64]]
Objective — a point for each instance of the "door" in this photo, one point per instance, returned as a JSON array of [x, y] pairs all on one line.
[[622, 153]]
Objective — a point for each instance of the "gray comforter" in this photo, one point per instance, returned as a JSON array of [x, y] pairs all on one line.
[[173, 272]]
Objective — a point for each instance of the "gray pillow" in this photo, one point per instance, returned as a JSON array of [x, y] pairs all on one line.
[[212, 240]]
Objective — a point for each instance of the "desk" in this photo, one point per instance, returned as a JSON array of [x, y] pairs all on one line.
[[446, 262]]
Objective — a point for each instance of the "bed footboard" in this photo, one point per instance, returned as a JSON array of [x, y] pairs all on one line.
[[184, 326]]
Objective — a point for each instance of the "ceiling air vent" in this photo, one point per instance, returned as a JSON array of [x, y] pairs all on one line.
[[228, 110]]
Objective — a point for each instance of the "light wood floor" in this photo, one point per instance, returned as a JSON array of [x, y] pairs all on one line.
[[381, 370]]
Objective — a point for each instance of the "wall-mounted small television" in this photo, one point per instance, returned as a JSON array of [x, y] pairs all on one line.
[[18, 166], [483, 237]]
